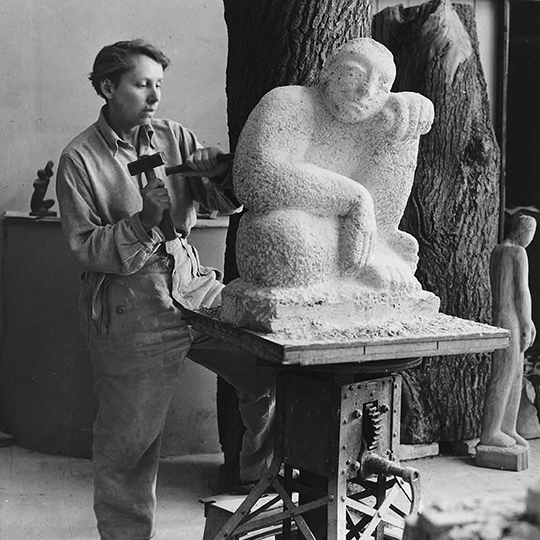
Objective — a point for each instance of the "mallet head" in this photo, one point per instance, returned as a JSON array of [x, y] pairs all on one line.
[[146, 163]]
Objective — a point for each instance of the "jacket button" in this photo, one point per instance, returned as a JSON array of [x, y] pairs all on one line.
[[120, 310]]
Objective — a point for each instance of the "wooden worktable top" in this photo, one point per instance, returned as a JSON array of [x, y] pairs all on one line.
[[415, 337]]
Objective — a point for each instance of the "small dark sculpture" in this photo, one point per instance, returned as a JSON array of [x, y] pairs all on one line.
[[39, 206]]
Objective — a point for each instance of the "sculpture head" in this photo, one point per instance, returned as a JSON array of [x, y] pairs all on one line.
[[356, 80], [522, 230]]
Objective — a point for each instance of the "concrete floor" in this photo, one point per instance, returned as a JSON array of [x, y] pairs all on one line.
[[50, 497]]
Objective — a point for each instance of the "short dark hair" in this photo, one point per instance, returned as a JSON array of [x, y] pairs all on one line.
[[116, 59]]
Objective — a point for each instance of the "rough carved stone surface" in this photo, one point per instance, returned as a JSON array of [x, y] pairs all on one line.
[[325, 173], [509, 516]]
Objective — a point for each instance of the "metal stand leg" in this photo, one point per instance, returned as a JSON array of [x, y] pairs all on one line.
[[337, 505]]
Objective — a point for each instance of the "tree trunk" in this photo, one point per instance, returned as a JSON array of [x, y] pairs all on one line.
[[454, 205], [274, 43]]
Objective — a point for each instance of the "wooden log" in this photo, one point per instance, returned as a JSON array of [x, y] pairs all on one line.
[[454, 206]]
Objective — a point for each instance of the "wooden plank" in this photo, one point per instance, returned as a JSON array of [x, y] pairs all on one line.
[[449, 336], [358, 355], [242, 338], [487, 344], [397, 350], [422, 348], [324, 356]]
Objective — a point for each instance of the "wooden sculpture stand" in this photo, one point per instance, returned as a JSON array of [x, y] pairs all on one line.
[[337, 423]]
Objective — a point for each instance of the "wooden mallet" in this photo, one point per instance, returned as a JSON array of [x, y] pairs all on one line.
[[186, 169], [146, 164]]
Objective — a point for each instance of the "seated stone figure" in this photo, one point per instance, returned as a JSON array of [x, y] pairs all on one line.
[[325, 172]]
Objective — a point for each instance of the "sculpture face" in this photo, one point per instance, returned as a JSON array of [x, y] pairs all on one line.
[[522, 230], [526, 231], [357, 88]]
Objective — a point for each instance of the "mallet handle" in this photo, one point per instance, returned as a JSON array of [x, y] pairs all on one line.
[[166, 225], [222, 158]]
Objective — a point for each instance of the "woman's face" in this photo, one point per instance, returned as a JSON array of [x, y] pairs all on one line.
[[135, 99]]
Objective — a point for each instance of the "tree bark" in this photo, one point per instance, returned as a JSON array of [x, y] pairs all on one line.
[[274, 43], [454, 205]]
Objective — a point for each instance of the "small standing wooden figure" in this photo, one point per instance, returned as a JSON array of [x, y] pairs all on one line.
[[500, 445], [40, 206]]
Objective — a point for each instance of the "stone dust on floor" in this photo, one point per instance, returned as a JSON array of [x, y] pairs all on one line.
[[46, 497]]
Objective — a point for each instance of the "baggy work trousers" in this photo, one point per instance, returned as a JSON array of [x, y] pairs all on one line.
[[136, 366]]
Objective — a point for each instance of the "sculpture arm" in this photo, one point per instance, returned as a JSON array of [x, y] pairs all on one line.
[[522, 298], [271, 171], [407, 115]]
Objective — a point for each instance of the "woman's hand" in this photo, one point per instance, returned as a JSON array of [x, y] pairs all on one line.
[[204, 162], [155, 200]]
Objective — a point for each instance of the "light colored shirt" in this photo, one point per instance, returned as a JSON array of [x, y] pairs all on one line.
[[100, 202]]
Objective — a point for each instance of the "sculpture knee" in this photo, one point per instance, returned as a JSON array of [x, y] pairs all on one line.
[[406, 246], [286, 248]]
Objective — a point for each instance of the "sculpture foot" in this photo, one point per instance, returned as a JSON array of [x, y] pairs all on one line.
[[406, 246], [499, 439], [518, 438], [392, 275]]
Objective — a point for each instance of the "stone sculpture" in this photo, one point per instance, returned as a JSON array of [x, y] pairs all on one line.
[[512, 309], [325, 173]]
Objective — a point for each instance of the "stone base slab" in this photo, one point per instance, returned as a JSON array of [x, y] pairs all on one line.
[[333, 306], [513, 458]]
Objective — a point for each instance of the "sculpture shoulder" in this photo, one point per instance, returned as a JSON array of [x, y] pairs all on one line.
[[506, 255], [279, 119], [288, 100], [406, 98]]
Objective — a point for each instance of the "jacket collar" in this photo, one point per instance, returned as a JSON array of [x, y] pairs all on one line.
[[146, 133]]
